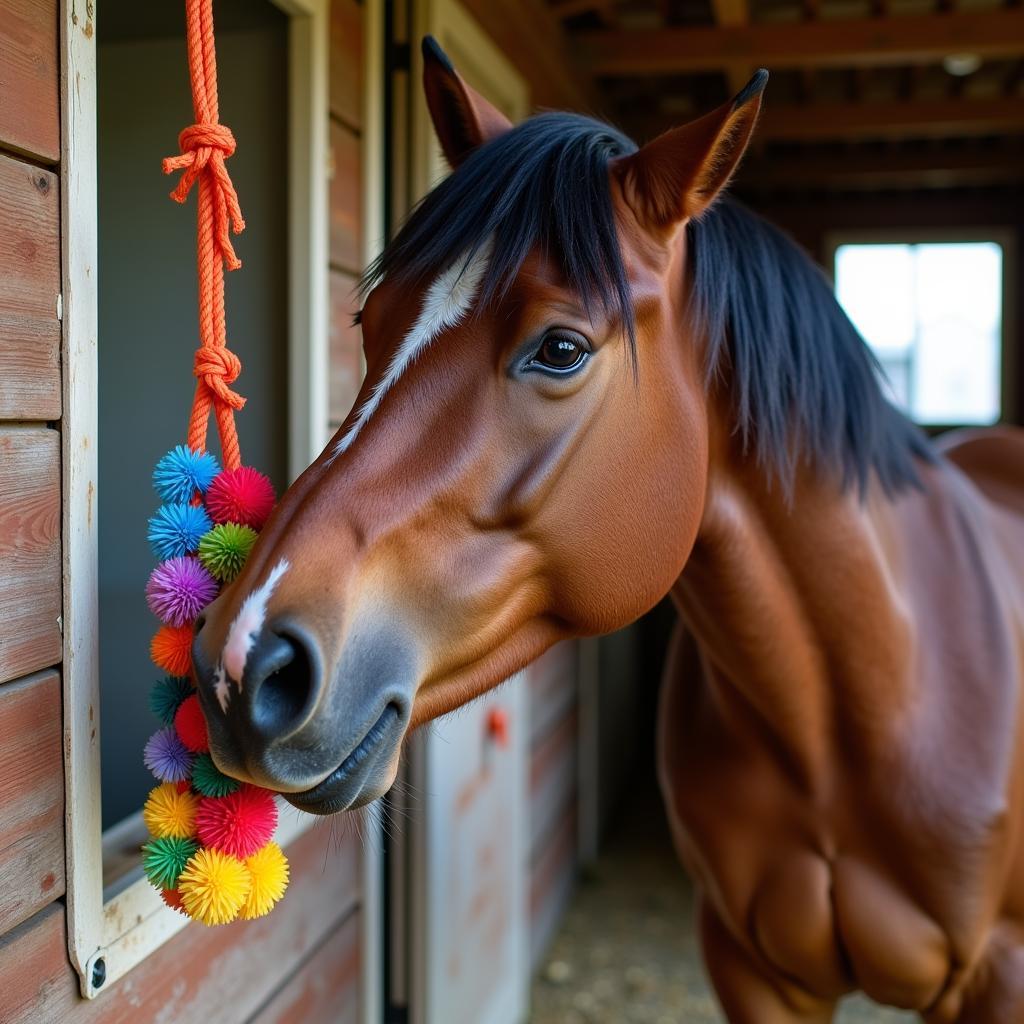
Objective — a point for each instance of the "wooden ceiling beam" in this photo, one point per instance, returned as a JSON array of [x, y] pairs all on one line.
[[896, 119], [934, 169], [889, 41]]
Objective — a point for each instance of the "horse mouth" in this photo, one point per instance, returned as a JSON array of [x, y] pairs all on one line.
[[361, 777]]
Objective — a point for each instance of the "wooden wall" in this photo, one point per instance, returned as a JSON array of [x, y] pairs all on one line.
[[553, 699], [302, 965]]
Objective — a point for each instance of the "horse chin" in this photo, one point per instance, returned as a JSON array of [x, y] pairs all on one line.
[[366, 774]]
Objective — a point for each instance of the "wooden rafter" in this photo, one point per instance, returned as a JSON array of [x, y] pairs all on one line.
[[941, 168], [834, 43], [921, 118]]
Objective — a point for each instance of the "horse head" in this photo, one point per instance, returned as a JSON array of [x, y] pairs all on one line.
[[526, 461]]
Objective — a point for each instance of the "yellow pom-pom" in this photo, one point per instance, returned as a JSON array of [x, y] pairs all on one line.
[[268, 868], [213, 887], [170, 813]]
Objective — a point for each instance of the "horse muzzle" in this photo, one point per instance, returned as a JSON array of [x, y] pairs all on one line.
[[328, 739]]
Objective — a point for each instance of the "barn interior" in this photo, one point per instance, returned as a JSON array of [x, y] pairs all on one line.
[[896, 125]]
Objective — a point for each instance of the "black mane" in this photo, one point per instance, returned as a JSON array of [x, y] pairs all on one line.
[[804, 383]]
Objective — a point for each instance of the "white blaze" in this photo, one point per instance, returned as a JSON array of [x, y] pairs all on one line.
[[447, 301], [242, 634]]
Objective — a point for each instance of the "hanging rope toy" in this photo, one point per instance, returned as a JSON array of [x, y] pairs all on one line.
[[210, 851]]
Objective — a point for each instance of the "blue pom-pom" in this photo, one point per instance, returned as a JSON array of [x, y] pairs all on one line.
[[182, 472], [175, 529]]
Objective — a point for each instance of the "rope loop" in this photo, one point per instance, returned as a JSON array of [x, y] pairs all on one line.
[[217, 367]]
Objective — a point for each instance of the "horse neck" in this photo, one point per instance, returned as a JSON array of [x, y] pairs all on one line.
[[793, 604]]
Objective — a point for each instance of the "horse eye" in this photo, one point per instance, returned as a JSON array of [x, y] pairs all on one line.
[[559, 352]]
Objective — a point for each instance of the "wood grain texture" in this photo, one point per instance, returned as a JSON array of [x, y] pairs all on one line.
[[325, 989], [31, 798], [30, 567], [553, 771], [213, 975], [346, 62], [28, 77], [29, 284], [346, 367], [29, 367], [346, 200]]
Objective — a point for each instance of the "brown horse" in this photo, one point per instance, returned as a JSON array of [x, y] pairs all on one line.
[[589, 385]]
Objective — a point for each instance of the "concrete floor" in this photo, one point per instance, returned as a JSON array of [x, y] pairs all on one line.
[[626, 952]]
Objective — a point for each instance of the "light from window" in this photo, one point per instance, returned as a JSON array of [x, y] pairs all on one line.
[[932, 314]]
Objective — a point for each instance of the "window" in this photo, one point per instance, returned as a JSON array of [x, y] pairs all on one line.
[[115, 919], [932, 313]]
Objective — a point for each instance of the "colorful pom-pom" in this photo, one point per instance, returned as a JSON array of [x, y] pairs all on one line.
[[175, 530], [268, 869], [182, 472], [164, 859], [225, 548], [242, 496], [173, 899], [167, 757], [190, 725], [209, 780], [166, 696], [168, 812], [171, 649], [238, 824], [214, 886], [179, 589]]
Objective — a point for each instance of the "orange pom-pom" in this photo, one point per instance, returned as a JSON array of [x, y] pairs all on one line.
[[171, 649], [190, 725]]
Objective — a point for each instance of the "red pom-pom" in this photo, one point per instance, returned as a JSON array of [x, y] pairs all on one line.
[[184, 786], [172, 898], [239, 823], [242, 496], [191, 726]]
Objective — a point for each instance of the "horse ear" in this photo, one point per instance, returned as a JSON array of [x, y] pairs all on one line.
[[462, 118], [678, 175]]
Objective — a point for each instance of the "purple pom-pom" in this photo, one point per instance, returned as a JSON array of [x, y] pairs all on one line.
[[179, 589], [167, 757]]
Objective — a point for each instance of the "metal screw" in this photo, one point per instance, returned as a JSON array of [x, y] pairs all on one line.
[[99, 972]]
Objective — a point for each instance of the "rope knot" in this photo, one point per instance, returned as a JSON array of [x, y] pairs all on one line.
[[202, 139], [217, 367]]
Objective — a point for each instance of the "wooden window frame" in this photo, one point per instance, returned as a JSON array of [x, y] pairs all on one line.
[[109, 933]]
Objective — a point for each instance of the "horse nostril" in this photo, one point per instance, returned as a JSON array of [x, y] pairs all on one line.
[[282, 684]]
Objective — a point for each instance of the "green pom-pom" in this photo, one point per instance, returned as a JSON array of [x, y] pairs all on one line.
[[209, 780], [225, 548], [164, 859], [166, 697]]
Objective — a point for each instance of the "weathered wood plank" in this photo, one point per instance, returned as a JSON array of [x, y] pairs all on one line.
[[552, 689], [346, 369], [325, 989], [346, 200], [29, 367], [28, 77], [347, 62], [31, 798], [30, 569], [29, 283], [551, 884], [552, 783], [214, 975]]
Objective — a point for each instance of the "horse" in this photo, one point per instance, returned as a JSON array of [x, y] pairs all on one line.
[[594, 380]]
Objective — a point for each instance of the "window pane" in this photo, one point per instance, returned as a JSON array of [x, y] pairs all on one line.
[[957, 358], [875, 285], [932, 314]]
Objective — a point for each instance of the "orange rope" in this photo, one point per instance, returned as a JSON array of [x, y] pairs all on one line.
[[205, 146]]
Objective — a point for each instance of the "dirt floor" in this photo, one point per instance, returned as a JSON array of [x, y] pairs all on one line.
[[626, 952]]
